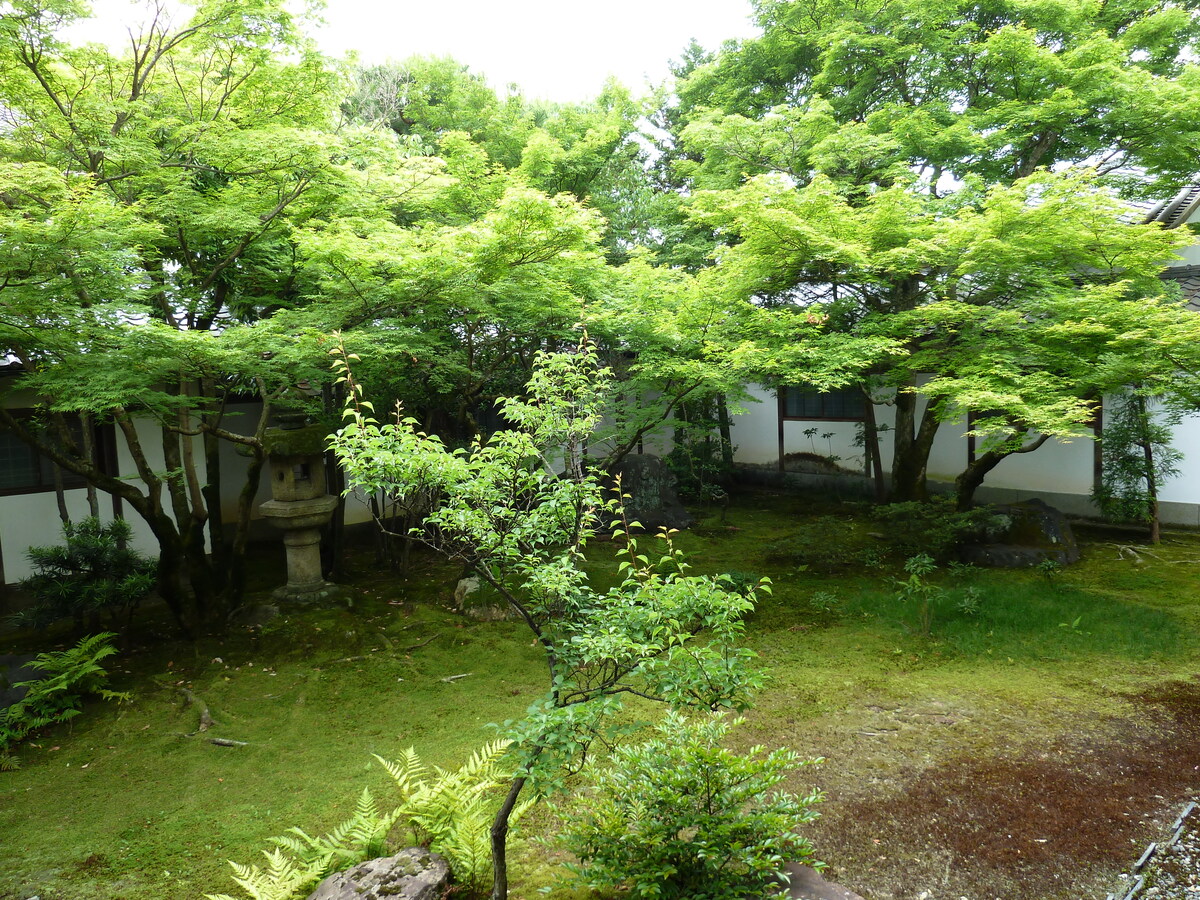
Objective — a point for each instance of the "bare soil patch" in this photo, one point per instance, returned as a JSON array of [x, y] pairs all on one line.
[[1045, 820]]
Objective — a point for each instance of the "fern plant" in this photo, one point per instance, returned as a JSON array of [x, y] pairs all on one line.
[[448, 811], [283, 878], [451, 812], [71, 675], [299, 861], [362, 836]]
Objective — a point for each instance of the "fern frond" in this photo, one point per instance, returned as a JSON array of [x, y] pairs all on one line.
[[452, 810], [284, 877], [485, 760]]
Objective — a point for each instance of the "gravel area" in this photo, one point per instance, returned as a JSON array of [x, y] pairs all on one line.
[[1173, 870]]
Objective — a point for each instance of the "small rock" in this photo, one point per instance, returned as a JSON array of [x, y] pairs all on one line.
[[464, 589], [412, 874]]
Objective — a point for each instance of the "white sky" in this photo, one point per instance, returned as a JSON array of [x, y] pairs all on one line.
[[554, 49]]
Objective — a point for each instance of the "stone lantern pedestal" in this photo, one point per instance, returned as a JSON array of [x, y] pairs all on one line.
[[299, 507]]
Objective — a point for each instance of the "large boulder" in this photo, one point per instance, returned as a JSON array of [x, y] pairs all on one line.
[[1036, 532], [412, 874], [652, 499]]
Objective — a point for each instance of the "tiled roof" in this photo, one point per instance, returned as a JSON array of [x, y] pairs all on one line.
[[1176, 211], [1188, 279]]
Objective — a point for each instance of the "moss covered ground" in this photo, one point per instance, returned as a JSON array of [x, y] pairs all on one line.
[[1027, 748]]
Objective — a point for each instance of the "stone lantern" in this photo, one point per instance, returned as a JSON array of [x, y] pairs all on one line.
[[299, 507]]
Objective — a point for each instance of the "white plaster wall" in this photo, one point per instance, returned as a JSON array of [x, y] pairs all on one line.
[[948, 456], [1185, 488], [1056, 467], [1063, 467], [754, 431], [31, 520]]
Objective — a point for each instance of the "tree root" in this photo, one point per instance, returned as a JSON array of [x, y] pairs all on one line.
[[422, 644], [1126, 550], [220, 742], [206, 719]]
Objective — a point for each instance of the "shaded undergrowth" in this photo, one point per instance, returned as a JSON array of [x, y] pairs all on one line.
[[1045, 708]]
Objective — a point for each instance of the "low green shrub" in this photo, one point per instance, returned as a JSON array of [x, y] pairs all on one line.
[[680, 816], [935, 527], [91, 574], [918, 592], [71, 675], [741, 583], [825, 602]]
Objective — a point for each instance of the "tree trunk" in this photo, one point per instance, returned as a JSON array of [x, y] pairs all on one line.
[[89, 453], [170, 582], [235, 584], [972, 476], [335, 479], [726, 433], [218, 547], [500, 840], [911, 457], [871, 447], [181, 477], [1151, 479], [334, 544], [60, 496]]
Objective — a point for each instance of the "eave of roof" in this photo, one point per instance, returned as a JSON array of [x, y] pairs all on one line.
[[1176, 211]]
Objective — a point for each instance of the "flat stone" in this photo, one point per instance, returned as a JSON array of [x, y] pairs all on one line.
[[808, 884]]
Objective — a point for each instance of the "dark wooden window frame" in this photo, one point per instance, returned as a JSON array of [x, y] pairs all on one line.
[[103, 442], [782, 394]]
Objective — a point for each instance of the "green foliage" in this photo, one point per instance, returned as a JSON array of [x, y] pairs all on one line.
[[914, 194], [680, 816], [744, 583], [92, 573], [968, 600], [362, 836], [700, 458], [1050, 569], [71, 675], [825, 602], [1137, 458], [283, 878], [500, 508], [935, 528], [916, 590], [451, 812]]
